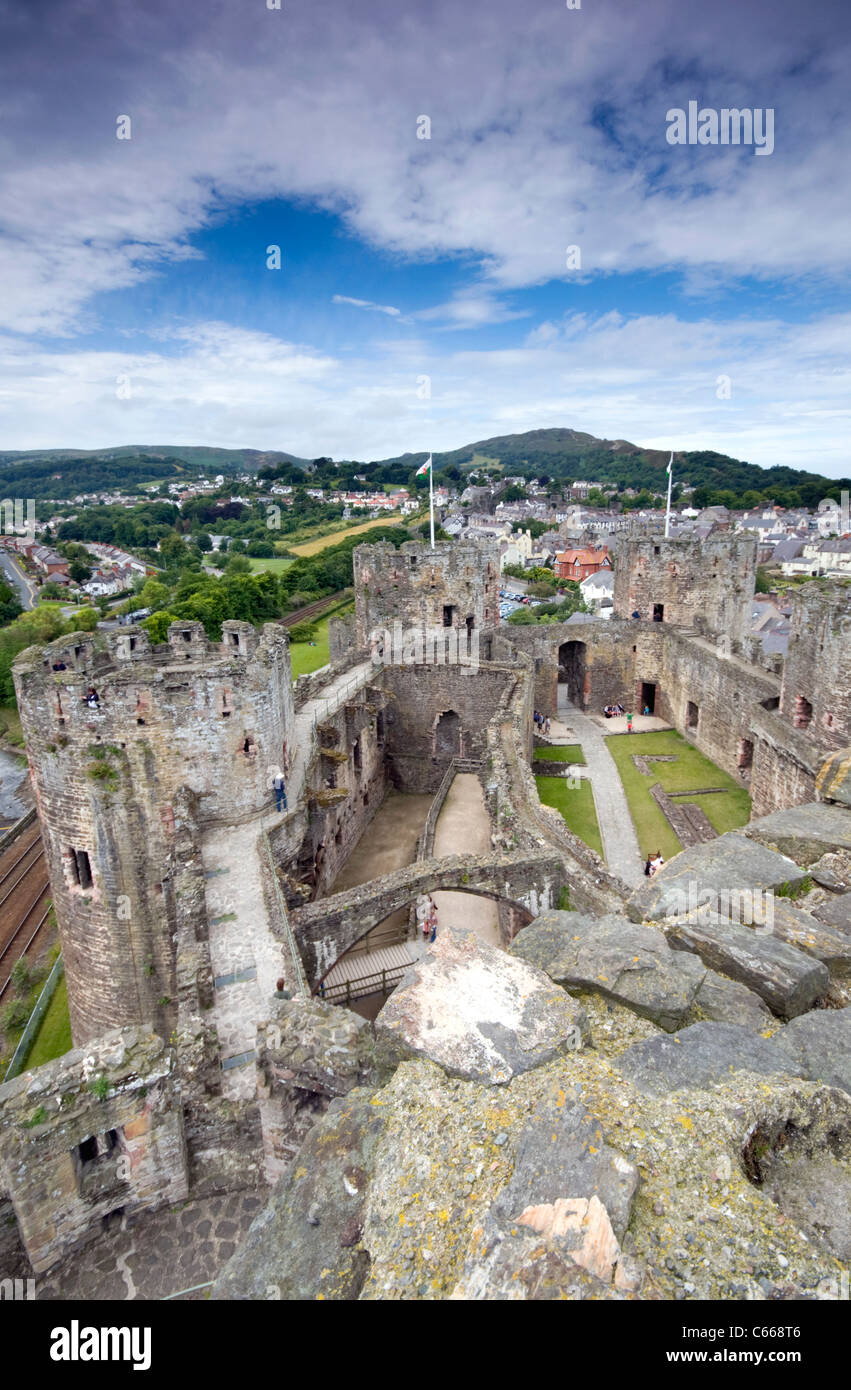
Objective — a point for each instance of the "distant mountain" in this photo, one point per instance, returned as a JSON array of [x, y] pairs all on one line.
[[558, 453], [572, 454], [201, 456]]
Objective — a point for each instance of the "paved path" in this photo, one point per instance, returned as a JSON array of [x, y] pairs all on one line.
[[246, 955], [313, 712], [620, 843], [153, 1255]]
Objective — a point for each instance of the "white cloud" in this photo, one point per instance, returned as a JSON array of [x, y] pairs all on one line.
[[650, 380], [367, 304], [316, 104]]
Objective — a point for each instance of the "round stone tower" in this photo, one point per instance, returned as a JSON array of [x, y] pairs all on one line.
[[115, 731]]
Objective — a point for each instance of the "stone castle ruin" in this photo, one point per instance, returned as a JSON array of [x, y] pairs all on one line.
[[183, 896]]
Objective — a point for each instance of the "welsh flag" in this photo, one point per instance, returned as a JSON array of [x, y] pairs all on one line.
[[425, 468]]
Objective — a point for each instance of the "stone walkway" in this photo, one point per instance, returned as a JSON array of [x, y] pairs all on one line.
[[156, 1254], [246, 955], [314, 712], [620, 843]]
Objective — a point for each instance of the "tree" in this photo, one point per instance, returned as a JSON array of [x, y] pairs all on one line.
[[10, 608], [79, 572], [153, 594], [237, 564], [158, 624], [85, 620], [763, 581]]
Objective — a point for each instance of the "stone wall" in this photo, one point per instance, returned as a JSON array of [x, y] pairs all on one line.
[[347, 784], [434, 714], [454, 585], [96, 1132], [816, 695], [706, 585]]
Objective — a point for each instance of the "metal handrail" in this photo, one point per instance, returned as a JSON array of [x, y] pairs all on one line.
[[378, 982]]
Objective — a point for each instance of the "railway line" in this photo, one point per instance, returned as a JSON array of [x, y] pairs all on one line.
[[312, 609], [24, 906]]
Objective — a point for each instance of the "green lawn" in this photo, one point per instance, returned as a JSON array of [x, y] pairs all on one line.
[[306, 658], [561, 753], [276, 563], [54, 1036], [576, 806], [725, 810]]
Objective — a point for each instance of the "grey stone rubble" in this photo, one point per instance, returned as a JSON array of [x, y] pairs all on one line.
[[786, 979]]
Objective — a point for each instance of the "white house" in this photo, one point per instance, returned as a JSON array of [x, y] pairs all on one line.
[[598, 591]]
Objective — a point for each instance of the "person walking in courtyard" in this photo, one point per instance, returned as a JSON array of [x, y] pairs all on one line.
[[629, 723], [280, 791], [547, 725]]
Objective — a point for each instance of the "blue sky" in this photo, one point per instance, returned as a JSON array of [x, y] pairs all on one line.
[[424, 298]]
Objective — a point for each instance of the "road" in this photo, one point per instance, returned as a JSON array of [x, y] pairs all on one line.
[[18, 580]]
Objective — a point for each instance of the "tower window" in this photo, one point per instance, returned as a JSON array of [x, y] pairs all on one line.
[[78, 869]]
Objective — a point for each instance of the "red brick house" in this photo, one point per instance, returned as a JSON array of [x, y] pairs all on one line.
[[578, 564]]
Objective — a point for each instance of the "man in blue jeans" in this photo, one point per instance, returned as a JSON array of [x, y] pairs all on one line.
[[280, 792]]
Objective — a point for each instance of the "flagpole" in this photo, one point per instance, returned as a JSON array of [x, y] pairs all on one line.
[[431, 495], [670, 481]]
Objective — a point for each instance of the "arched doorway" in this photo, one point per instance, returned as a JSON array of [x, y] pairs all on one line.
[[571, 671], [447, 735]]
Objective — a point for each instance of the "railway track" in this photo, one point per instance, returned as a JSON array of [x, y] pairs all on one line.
[[311, 609], [24, 909]]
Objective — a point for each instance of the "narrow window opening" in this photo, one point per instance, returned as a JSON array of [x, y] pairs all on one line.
[[692, 716], [658, 612]]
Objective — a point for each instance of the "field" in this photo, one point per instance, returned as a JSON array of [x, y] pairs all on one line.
[[322, 542], [576, 806], [560, 753], [725, 810], [306, 658], [54, 1036], [277, 564]]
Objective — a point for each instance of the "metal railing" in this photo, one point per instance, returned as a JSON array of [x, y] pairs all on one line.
[[380, 982], [299, 978], [28, 1037]]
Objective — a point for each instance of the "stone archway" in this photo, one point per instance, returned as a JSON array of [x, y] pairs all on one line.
[[571, 671]]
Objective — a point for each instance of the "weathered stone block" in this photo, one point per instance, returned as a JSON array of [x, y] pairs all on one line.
[[803, 833], [834, 779], [719, 1000], [478, 1013], [701, 1056], [625, 961], [785, 978], [732, 863]]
